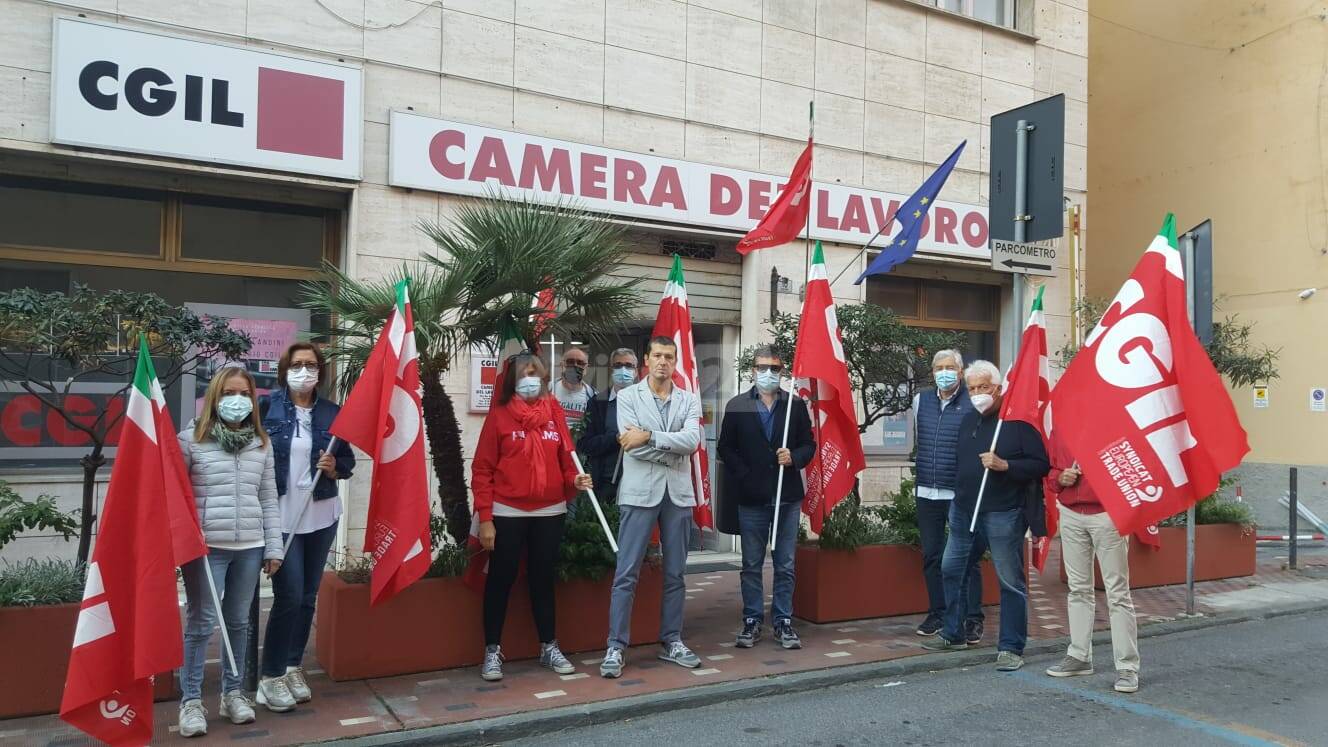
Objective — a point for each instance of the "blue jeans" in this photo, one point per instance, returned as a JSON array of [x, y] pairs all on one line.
[[236, 575], [1004, 534], [754, 526], [294, 594]]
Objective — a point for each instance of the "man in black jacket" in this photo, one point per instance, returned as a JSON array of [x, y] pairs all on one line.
[[1018, 461], [599, 439], [750, 439]]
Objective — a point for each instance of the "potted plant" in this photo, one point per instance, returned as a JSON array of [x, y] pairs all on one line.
[[867, 563], [1224, 546], [410, 632]]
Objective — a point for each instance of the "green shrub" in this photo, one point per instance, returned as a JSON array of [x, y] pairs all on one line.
[[354, 569], [900, 513], [449, 561], [895, 522], [19, 515], [585, 552], [33, 582], [1216, 509]]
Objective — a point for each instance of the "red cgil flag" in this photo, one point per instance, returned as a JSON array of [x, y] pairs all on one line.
[[383, 417], [821, 377], [788, 214], [674, 321], [129, 621], [1141, 406]]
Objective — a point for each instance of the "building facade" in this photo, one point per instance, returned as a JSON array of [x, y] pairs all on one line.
[[1166, 137], [225, 149]]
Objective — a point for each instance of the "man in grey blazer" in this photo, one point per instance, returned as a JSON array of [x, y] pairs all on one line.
[[659, 427]]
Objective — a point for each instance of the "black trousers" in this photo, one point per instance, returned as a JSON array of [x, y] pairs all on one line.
[[536, 540], [932, 519]]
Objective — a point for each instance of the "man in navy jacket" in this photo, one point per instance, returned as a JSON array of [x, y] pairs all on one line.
[[1016, 464], [599, 439], [750, 444]]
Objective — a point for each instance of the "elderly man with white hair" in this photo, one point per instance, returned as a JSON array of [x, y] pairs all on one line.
[[937, 414], [1016, 464]]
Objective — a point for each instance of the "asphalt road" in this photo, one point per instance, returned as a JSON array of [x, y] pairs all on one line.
[[1255, 683]]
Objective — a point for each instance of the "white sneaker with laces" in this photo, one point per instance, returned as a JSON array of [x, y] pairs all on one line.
[[236, 707], [552, 657], [298, 685], [193, 718], [273, 693]]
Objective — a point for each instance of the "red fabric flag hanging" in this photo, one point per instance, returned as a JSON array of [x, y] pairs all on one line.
[[1141, 406], [129, 622], [383, 417], [821, 377], [674, 321], [788, 214]]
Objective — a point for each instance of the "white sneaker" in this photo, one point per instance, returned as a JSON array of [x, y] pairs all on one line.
[[299, 686], [193, 718], [273, 693], [236, 707]]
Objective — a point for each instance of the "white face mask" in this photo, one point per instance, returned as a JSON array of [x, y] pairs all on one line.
[[982, 402], [301, 380]]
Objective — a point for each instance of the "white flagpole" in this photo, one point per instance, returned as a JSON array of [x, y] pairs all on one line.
[[315, 473], [973, 525], [221, 620], [779, 486], [599, 512]]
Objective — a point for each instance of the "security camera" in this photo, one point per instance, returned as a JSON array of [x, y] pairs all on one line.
[[1307, 293]]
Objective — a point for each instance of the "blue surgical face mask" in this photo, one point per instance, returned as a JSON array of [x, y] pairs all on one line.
[[235, 407], [945, 378], [767, 381], [528, 387], [624, 376]]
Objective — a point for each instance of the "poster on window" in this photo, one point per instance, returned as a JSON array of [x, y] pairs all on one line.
[[270, 330], [890, 434], [483, 372]]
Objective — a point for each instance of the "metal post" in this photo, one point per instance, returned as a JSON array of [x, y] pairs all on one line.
[[1187, 253], [1291, 504], [1021, 130]]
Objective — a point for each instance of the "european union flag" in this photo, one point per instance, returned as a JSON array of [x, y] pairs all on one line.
[[910, 215]]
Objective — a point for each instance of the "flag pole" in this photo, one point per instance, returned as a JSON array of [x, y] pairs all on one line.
[[599, 512], [317, 475], [862, 251], [806, 269], [221, 622]]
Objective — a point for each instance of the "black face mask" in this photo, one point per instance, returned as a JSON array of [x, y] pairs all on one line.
[[573, 375]]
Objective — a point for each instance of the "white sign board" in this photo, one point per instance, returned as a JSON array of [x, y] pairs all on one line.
[[1317, 397], [443, 156], [143, 92], [1029, 259], [483, 373]]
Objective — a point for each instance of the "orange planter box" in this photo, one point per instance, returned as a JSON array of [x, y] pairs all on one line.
[[871, 581], [34, 645], [1220, 551], [436, 623]]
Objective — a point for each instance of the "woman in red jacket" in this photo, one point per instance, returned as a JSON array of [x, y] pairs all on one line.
[[522, 477]]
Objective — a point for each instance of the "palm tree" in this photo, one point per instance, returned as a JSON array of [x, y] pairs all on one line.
[[493, 258]]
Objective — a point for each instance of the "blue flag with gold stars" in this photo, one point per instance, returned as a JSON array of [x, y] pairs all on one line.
[[910, 216]]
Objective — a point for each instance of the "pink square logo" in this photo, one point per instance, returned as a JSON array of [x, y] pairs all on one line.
[[298, 113]]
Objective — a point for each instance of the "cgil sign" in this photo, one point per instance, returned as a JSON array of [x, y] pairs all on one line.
[[443, 156], [127, 90]]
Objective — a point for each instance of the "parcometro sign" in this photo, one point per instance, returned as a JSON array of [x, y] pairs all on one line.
[[128, 90], [442, 156]]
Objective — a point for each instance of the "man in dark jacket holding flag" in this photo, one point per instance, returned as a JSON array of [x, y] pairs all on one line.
[[1016, 463]]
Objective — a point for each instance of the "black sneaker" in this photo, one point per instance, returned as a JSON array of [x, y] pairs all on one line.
[[750, 635], [973, 631], [785, 634], [931, 626]]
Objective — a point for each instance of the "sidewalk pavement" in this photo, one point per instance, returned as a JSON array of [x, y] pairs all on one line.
[[456, 706]]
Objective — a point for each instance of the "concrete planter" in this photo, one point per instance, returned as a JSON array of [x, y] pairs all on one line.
[[871, 581], [1220, 551], [436, 624], [34, 646]]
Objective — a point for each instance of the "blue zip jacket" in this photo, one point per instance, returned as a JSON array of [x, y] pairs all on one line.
[[279, 421], [938, 437]]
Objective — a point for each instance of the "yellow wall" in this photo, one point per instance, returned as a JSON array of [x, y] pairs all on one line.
[[1214, 109]]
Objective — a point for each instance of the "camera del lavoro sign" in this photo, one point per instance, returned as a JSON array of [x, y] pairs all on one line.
[[128, 90], [443, 156]]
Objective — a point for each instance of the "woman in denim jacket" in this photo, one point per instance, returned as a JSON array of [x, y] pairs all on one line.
[[297, 420]]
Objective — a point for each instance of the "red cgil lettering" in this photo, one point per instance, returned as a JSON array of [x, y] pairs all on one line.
[[21, 421], [83, 411], [725, 195], [491, 162], [594, 173], [552, 174], [438, 154], [628, 179]]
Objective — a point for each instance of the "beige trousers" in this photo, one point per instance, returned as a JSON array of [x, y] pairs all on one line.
[[1082, 537]]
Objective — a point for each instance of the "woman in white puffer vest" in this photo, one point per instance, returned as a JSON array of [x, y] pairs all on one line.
[[230, 464]]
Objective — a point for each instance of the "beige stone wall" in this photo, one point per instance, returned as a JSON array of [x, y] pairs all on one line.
[[896, 83]]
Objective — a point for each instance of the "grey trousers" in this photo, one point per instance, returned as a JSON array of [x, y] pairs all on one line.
[[635, 525]]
